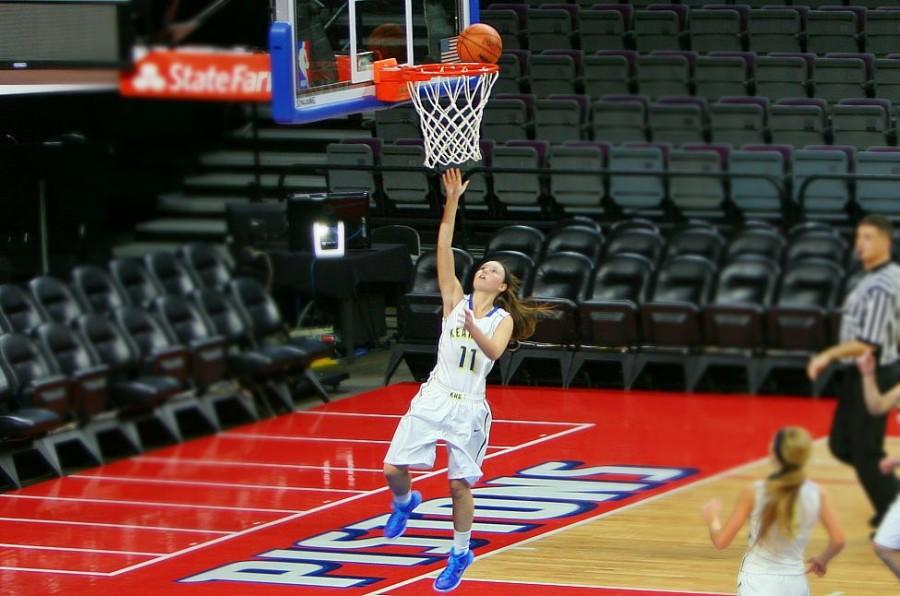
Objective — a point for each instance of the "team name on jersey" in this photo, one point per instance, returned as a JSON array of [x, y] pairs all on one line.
[[460, 333]]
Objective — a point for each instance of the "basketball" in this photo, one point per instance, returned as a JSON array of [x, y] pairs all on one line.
[[479, 43]]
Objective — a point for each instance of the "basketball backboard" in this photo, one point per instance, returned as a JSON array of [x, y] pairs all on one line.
[[323, 51]]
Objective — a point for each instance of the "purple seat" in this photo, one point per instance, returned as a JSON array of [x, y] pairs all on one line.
[[526, 98], [786, 151], [848, 150], [601, 146], [540, 147], [721, 149], [678, 9], [521, 11], [641, 99], [629, 55], [583, 102], [626, 10], [749, 59], [523, 57], [577, 57], [664, 148], [373, 143]]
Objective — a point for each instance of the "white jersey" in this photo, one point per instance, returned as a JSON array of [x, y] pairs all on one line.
[[461, 365], [777, 554]]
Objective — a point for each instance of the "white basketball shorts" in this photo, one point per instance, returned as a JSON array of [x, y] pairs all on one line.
[[888, 534], [761, 584], [435, 414]]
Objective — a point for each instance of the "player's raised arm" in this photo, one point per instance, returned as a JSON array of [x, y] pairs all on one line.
[[451, 289]]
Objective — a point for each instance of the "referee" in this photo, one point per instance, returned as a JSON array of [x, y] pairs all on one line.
[[869, 323]]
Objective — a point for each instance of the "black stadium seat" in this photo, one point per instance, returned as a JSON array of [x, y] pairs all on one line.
[[609, 316], [20, 314], [560, 280], [56, 299], [133, 277], [420, 311], [671, 318], [212, 268], [97, 290], [734, 320], [524, 239], [169, 273]]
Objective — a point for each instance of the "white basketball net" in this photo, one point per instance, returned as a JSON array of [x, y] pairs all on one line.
[[450, 110]]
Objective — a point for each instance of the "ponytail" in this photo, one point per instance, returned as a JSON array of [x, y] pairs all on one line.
[[791, 447], [525, 315]]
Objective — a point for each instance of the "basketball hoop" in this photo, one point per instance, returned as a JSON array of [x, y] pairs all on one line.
[[449, 99]]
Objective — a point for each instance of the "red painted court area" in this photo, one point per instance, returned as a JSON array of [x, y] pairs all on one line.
[[295, 505]]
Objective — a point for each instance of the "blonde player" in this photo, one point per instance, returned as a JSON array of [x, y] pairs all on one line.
[[887, 538], [450, 406], [783, 509]]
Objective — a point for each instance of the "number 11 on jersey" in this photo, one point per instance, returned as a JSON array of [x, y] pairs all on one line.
[[462, 357]]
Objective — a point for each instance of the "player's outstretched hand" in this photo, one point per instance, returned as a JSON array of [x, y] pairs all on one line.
[[710, 510], [467, 319], [816, 565], [454, 187]]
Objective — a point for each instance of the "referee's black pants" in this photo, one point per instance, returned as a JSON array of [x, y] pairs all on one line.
[[857, 437]]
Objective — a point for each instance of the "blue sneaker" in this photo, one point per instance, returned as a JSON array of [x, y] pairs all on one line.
[[450, 577], [396, 523]]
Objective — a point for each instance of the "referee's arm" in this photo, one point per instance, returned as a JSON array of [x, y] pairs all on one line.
[[847, 349], [871, 327], [876, 402]]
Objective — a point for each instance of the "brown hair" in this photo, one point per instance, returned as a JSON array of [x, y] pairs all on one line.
[[880, 223], [525, 315], [791, 447]]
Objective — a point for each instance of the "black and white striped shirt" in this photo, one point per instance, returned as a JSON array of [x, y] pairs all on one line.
[[870, 312]]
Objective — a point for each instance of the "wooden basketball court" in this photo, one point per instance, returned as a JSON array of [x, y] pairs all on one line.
[[584, 491]]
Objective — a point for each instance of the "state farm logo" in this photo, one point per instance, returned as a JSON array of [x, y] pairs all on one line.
[[227, 76], [149, 79]]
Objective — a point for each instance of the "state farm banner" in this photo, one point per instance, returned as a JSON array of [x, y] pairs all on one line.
[[199, 74]]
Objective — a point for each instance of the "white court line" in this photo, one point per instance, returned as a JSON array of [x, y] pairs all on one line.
[[78, 550], [64, 571], [105, 525], [261, 437], [587, 520], [589, 587], [144, 480], [494, 421], [250, 464], [336, 503], [150, 503]]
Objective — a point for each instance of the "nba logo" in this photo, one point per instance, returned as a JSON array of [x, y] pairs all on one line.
[[302, 64]]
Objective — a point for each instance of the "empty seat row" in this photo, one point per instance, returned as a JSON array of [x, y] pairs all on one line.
[[737, 27], [832, 77], [698, 180], [736, 121], [117, 348], [679, 307], [641, 237]]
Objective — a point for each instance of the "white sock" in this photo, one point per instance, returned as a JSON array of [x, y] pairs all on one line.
[[403, 499], [461, 542]]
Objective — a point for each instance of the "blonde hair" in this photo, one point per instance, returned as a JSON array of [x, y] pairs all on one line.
[[792, 446]]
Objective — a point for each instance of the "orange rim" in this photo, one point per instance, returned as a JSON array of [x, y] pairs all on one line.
[[423, 72]]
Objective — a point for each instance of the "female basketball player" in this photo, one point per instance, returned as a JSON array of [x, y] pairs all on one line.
[[450, 406], [887, 538], [782, 511]]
